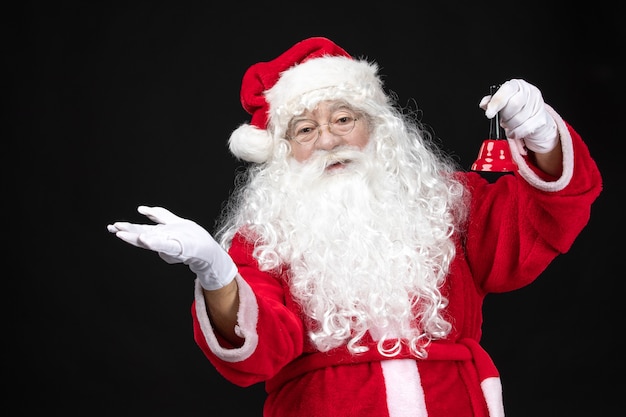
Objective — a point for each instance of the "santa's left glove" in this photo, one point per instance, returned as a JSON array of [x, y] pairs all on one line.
[[523, 115], [179, 240]]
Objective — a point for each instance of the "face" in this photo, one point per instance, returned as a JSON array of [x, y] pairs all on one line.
[[330, 125]]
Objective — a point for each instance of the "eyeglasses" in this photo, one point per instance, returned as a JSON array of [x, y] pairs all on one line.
[[308, 131]]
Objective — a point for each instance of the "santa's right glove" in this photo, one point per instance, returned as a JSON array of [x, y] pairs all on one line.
[[523, 115], [180, 240]]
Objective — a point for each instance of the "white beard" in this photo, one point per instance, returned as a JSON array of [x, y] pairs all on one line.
[[358, 253]]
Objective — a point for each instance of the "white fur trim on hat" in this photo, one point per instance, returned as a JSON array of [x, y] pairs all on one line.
[[304, 85], [300, 88]]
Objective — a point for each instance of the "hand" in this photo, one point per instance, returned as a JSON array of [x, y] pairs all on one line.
[[179, 240], [523, 115]]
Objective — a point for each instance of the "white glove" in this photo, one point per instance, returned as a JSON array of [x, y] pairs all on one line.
[[180, 240], [523, 115]]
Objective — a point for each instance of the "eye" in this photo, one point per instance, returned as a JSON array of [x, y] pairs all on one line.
[[303, 130], [343, 118]]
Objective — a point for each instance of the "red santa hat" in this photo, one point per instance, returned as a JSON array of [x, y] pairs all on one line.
[[312, 70]]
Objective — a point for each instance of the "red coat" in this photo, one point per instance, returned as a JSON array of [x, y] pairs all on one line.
[[518, 225]]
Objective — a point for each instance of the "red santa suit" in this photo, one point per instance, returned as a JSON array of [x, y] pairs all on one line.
[[517, 226]]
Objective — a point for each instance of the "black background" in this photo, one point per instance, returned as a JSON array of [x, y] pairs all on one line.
[[115, 105]]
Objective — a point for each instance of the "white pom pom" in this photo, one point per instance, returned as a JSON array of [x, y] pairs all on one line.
[[251, 144]]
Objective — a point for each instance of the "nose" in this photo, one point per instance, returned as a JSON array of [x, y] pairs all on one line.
[[327, 140]]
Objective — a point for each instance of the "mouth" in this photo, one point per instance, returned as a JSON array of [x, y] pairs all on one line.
[[337, 165]]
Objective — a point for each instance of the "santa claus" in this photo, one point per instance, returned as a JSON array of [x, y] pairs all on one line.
[[350, 264]]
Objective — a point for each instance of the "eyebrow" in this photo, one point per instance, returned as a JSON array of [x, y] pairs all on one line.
[[333, 108]]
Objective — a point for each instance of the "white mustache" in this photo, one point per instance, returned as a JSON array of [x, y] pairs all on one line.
[[325, 159]]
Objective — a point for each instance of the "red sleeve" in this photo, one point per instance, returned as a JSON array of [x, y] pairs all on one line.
[[516, 229], [273, 332]]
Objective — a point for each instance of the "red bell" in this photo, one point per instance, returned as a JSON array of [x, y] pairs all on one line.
[[494, 156], [495, 152]]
